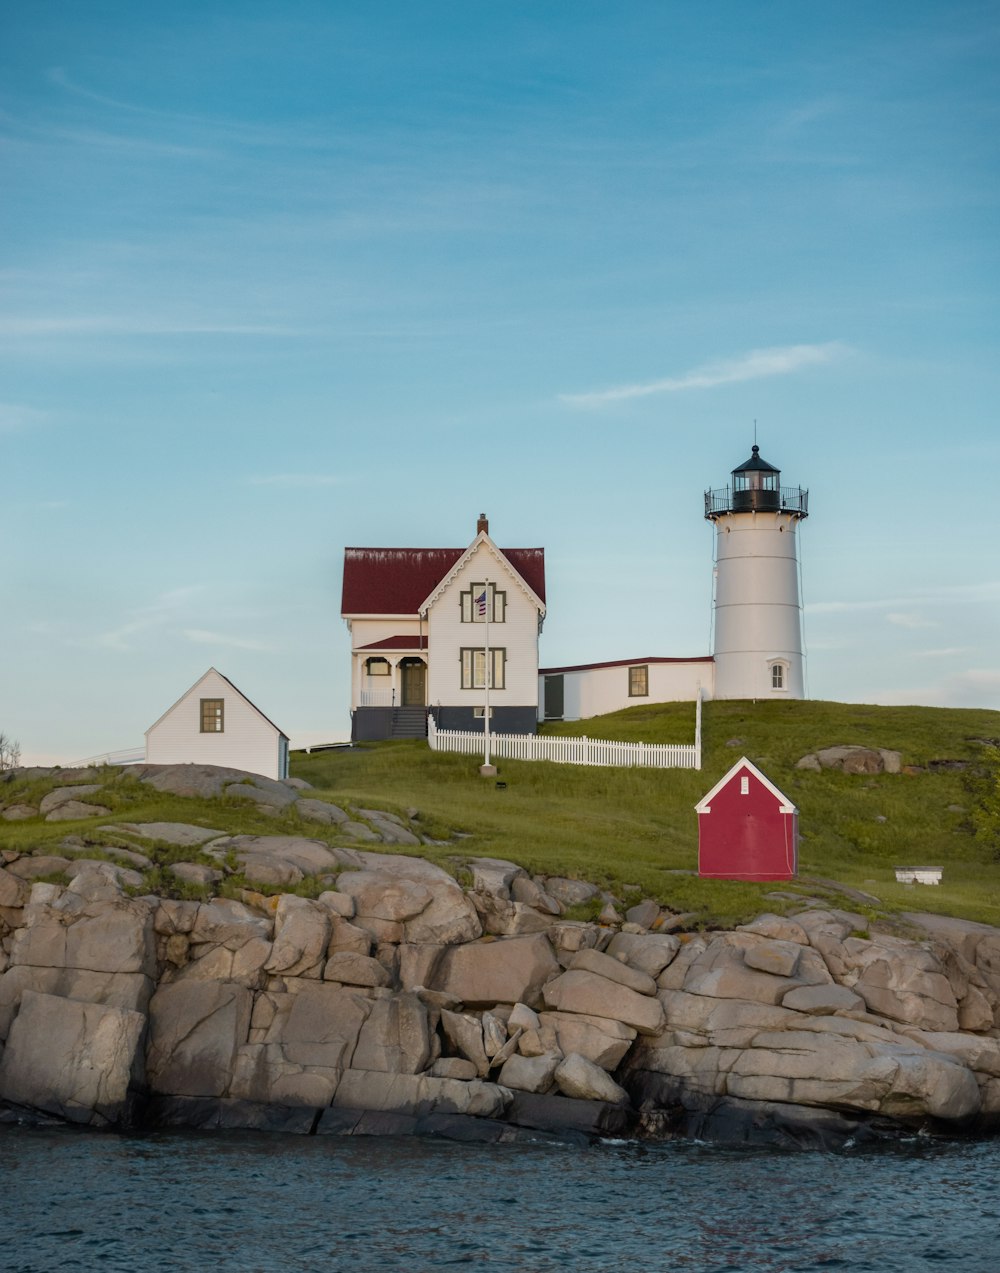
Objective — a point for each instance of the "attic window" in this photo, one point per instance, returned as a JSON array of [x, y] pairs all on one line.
[[744, 786], [475, 604], [211, 715]]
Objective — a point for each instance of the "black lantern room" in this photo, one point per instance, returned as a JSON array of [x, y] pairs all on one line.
[[756, 485], [756, 488]]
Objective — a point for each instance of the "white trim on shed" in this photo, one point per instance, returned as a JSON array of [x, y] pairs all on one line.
[[704, 805]]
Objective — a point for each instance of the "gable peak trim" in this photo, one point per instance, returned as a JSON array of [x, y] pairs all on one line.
[[503, 562], [784, 804]]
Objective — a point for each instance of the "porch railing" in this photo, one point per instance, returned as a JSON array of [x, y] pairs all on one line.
[[378, 698]]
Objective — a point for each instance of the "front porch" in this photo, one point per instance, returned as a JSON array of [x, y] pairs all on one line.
[[389, 689]]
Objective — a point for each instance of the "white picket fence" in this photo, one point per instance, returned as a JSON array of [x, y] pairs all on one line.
[[570, 751]]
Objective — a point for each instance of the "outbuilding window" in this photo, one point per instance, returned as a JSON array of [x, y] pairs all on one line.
[[212, 715], [638, 681]]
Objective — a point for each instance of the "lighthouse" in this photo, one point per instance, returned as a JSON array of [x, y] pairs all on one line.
[[757, 604]]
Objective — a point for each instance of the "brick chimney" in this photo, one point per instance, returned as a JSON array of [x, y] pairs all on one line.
[[482, 526]]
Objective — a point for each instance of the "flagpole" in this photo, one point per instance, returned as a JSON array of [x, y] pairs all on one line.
[[487, 678]]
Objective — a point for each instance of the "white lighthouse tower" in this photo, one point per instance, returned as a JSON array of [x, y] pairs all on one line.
[[758, 609]]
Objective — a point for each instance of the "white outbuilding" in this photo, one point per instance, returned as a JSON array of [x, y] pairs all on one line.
[[215, 724]]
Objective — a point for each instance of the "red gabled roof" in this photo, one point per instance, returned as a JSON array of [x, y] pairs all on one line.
[[398, 580]]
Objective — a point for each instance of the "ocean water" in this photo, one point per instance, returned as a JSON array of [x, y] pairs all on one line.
[[249, 1202]]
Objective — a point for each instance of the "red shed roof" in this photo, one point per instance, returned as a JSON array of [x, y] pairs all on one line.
[[745, 766], [398, 580], [592, 667]]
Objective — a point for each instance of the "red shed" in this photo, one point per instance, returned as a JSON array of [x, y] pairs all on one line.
[[747, 830]]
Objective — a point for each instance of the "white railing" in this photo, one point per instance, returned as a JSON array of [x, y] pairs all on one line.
[[130, 756], [378, 698], [567, 751]]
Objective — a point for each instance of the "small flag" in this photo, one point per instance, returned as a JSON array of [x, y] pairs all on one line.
[[481, 604]]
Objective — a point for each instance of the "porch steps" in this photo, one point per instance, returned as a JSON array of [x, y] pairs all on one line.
[[409, 722]]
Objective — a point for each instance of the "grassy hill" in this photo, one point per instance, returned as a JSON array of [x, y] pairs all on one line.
[[632, 830], [629, 827]]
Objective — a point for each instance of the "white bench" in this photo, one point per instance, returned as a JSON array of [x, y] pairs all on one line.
[[918, 874]]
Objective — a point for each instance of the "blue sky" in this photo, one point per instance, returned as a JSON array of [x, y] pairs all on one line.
[[278, 280]]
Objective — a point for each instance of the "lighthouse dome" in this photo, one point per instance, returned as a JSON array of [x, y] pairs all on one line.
[[756, 485]]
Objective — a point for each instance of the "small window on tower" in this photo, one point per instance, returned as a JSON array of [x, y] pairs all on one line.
[[777, 676]]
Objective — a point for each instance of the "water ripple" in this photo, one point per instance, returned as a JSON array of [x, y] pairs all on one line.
[[266, 1203]]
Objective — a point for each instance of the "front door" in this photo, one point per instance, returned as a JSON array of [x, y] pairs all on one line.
[[414, 683]]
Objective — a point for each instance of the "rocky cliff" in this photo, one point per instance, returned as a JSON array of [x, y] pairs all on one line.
[[400, 1002]]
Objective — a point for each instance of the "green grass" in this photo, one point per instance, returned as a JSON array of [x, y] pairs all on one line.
[[634, 831], [621, 827]]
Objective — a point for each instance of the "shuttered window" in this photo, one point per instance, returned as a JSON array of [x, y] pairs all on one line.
[[476, 603], [474, 668]]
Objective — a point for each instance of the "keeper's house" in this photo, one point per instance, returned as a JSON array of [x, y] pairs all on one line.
[[428, 625]]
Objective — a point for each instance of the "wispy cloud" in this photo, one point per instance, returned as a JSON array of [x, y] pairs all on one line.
[[782, 360], [946, 652], [149, 618], [986, 592], [215, 129], [132, 325], [298, 479], [975, 687], [14, 416], [909, 620], [200, 637]]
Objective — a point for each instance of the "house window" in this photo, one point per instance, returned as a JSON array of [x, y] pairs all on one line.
[[474, 668], [638, 681], [211, 716], [378, 667], [778, 676], [479, 713], [482, 599]]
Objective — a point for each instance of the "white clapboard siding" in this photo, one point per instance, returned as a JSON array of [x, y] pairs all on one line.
[[567, 751], [248, 740], [596, 690], [518, 635]]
